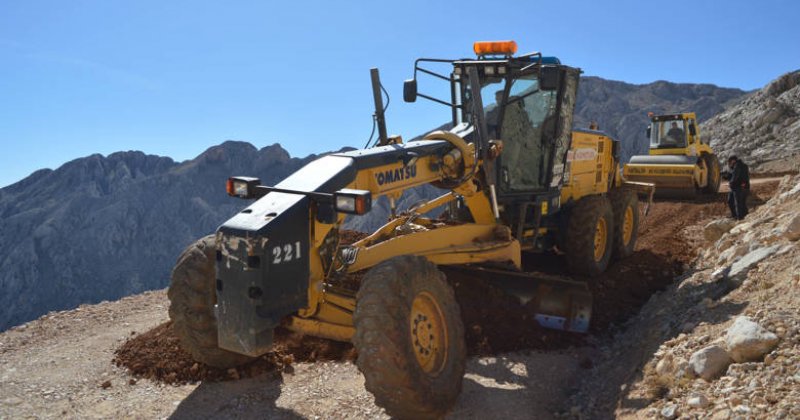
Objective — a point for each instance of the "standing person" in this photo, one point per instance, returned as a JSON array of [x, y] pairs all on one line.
[[739, 184]]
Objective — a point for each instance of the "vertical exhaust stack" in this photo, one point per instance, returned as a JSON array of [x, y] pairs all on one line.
[[380, 118]]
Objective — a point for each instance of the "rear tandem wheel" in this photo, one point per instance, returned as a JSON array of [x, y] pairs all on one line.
[[589, 236], [625, 204]]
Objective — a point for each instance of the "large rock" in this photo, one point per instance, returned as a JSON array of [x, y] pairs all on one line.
[[697, 401], [792, 229], [740, 268], [710, 362], [669, 412], [717, 228], [747, 341]]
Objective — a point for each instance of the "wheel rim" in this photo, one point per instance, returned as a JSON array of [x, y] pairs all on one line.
[[600, 236], [428, 333], [627, 226]]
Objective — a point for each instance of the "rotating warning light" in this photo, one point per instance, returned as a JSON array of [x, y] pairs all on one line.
[[495, 47]]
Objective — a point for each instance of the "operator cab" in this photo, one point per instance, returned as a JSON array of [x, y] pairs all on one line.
[[671, 131], [524, 101]]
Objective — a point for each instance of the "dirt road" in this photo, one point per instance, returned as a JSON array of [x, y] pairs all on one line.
[[62, 364]]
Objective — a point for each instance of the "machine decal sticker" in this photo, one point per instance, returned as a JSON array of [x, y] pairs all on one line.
[[582, 154]]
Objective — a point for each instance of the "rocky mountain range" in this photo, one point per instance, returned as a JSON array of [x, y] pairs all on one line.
[[764, 128], [100, 228]]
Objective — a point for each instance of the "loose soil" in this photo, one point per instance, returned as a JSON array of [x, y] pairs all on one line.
[[495, 322]]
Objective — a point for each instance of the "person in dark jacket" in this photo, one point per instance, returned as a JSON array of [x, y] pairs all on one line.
[[739, 184]]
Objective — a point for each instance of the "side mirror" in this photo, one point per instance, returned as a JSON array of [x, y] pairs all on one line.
[[410, 90], [692, 130], [550, 78], [648, 131]]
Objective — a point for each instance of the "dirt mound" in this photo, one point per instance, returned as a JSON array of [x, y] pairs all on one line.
[[157, 355]]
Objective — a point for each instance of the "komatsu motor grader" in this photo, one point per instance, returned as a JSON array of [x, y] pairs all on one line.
[[680, 164], [516, 178]]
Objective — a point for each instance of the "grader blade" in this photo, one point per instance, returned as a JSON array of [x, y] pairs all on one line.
[[558, 303]]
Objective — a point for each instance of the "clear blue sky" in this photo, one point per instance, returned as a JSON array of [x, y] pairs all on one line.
[[175, 77]]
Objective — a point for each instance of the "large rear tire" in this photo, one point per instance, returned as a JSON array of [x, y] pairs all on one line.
[[192, 297], [410, 338], [625, 204], [712, 185], [589, 240]]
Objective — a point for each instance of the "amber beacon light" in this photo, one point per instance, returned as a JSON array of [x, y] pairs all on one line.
[[495, 47]]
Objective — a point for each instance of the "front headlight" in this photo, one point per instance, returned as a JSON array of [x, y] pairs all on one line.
[[352, 201]]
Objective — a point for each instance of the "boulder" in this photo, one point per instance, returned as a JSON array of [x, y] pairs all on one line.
[[670, 411], [740, 268], [792, 229], [747, 341], [714, 230], [697, 401], [710, 362]]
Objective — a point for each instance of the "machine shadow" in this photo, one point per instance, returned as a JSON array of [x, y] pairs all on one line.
[[525, 386], [250, 398]]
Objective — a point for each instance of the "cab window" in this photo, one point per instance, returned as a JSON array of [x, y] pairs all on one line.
[[668, 134], [528, 117]]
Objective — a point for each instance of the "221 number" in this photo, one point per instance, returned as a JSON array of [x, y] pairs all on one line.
[[285, 253]]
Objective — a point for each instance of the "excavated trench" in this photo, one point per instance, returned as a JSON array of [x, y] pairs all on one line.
[[494, 321]]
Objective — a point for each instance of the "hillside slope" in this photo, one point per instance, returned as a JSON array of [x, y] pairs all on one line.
[[763, 129], [723, 341]]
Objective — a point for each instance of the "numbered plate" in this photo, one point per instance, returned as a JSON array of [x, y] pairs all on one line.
[[286, 253]]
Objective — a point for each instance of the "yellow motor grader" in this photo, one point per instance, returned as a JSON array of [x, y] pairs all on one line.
[[516, 178], [679, 163]]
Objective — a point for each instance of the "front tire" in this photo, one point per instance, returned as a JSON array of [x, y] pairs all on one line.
[[589, 237], [410, 338], [192, 297]]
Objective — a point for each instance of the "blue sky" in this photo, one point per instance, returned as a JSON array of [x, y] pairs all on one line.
[[176, 77]]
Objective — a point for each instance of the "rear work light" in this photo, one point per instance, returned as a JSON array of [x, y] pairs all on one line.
[[495, 47], [352, 201]]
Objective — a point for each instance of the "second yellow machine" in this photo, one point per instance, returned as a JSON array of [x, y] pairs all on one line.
[[514, 176], [679, 162]]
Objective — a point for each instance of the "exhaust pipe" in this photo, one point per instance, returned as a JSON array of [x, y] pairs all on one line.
[[380, 119]]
